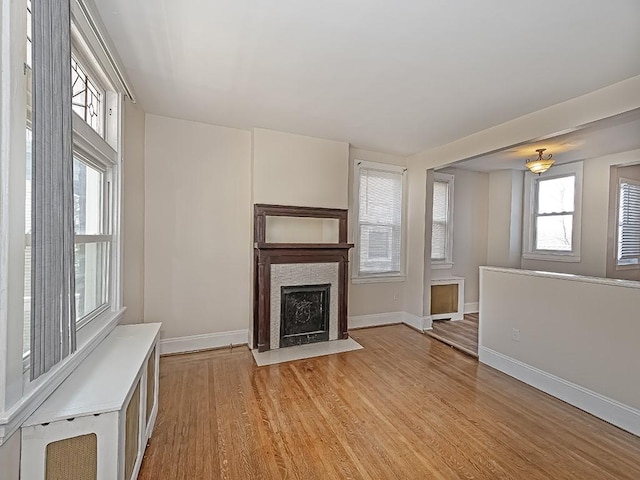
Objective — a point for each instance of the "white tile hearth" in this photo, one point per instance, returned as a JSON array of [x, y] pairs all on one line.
[[300, 352]]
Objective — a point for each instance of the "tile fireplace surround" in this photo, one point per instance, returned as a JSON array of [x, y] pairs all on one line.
[[287, 274], [297, 264]]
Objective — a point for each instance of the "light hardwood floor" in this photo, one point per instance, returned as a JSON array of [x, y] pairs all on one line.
[[461, 334], [404, 407]]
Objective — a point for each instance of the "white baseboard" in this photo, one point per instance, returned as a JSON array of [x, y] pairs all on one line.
[[374, 320], [609, 410], [416, 322], [203, 342], [472, 307]]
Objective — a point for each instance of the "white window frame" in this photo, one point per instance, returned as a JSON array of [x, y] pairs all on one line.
[[19, 397], [356, 275], [629, 265], [529, 251], [447, 262], [98, 149]]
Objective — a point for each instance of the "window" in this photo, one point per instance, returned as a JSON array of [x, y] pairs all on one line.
[[92, 241], [379, 203], [442, 223], [552, 214], [87, 97], [94, 164], [629, 223]]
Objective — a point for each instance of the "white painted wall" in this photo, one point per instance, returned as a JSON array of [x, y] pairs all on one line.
[[133, 134], [574, 329], [372, 298], [10, 458], [504, 245], [296, 170], [611, 100], [595, 217], [470, 220], [197, 227]]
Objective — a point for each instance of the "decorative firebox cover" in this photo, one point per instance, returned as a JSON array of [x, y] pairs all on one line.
[[304, 314]]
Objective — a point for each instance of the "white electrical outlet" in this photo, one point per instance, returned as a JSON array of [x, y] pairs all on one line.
[[515, 334]]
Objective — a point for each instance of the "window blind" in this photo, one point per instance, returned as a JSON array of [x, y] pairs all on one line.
[[52, 262], [439, 237], [629, 224], [380, 221]]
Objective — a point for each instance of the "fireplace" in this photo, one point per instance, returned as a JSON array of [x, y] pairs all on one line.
[[300, 289], [304, 316]]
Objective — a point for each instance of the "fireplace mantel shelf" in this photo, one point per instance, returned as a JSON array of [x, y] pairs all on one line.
[[303, 246]]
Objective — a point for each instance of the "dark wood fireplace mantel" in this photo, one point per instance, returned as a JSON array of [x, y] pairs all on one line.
[[266, 254]]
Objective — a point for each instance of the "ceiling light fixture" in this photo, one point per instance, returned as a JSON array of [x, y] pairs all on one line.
[[540, 164]]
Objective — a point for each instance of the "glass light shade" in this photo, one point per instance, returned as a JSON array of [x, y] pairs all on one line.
[[539, 166]]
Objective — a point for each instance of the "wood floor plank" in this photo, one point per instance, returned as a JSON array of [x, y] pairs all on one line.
[[460, 333], [404, 407]]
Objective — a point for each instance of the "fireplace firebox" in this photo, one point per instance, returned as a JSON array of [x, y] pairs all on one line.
[[304, 314]]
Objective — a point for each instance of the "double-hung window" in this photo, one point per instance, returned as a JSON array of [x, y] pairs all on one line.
[[628, 223], [379, 231], [95, 105], [552, 225], [442, 222]]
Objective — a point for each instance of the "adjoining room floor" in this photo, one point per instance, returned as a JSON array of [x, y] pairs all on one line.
[[461, 334], [403, 407]]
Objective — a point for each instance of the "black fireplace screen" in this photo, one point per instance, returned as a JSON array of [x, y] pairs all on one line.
[[304, 314]]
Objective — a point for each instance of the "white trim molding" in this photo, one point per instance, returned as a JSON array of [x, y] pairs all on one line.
[[206, 341], [607, 409], [421, 324], [471, 307], [374, 320], [417, 322], [615, 282], [530, 214]]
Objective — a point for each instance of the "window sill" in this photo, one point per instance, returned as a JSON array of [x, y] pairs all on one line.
[[378, 279], [441, 265], [37, 392], [627, 266], [552, 257]]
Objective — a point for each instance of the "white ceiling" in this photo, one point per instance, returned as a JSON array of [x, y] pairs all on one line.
[[396, 76], [620, 133]]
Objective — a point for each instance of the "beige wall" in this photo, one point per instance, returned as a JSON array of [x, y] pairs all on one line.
[[197, 227], [133, 135], [301, 230], [562, 329], [595, 218], [296, 170], [504, 245], [608, 101], [10, 458], [372, 298], [470, 219]]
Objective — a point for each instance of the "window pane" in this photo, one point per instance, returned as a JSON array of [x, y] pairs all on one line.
[[87, 97], [438, 241], [380, 218], [92, 266], [629, 224], [87, 199], [556, 195], [554, 232], [440, 220]]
